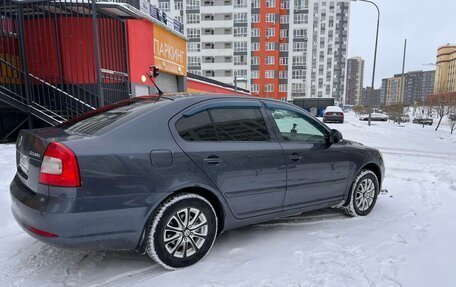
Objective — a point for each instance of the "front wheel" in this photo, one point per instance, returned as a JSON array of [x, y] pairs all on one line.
[[182, 231], [363, 195]]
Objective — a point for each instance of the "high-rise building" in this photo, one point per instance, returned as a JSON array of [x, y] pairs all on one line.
[[445, 76], [354, 84], [280, 49], [418, 86], [370, 97], [392, 91]]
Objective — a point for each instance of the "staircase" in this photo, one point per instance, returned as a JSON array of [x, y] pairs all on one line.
[[39, 105]]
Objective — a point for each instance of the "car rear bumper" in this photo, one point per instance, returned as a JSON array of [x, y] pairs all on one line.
[[332, 118], [101, 230]]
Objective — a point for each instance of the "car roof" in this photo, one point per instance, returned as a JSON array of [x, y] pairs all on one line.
[[333, 108]]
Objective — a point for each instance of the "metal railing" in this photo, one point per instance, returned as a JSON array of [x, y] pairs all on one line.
[[61, 58]]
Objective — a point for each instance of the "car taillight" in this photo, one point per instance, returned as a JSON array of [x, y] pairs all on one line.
[[59, 167]]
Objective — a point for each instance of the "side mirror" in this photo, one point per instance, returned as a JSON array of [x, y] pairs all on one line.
[[335, 136]]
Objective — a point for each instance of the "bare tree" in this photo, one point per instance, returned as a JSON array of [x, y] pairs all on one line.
[[395, 112], [452, 114], [441, 106]]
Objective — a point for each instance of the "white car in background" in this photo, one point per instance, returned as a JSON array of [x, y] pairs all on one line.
[[374, 117], [333, 114]]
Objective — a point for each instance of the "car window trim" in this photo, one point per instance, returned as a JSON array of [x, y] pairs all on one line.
[[226, 103], [221, 104]]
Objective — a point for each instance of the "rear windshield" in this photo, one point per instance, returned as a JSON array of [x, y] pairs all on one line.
[[94, 121]]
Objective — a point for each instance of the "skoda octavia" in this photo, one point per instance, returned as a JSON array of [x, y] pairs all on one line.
[[165, 175]]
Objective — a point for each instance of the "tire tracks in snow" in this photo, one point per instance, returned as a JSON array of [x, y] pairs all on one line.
[[132, 278]]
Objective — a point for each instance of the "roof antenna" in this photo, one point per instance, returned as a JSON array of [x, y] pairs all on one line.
[[154, 72]]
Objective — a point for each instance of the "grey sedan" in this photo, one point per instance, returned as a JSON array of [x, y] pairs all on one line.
[[166, 175]]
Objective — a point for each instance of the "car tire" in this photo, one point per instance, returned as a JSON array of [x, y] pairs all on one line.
[[363, 194], [182, 231]]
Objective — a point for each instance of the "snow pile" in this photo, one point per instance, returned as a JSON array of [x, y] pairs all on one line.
[[408, 240]]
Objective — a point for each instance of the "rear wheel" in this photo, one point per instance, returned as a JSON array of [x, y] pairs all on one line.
[[182, 231], [363, 195]]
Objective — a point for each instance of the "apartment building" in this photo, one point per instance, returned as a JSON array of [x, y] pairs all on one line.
[[445, 76], [413, 87], [280, 49], [392, 91], [354, 84]]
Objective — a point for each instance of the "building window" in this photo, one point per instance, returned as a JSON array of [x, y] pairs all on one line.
[[255, 88], [240, 17], [240, 60], [240, 31], [300, 18], [270, 18], [255, 60], [284, 19], [255, 46], [298, 74], [270, 3], [193, 33], [256, 3], [178, 6], [255, 32], [283, 61], [284, 4], [270, 32], [240, 46], [240, 73], [299, 46], [192, 18], [299, 61], [299, 33], [297, 87], [283, 87], [164, 6], [270, 46], [255, 18], [301, 4], [269, 88], [269, 74], [255, 74], [240, 3], [283, 33], [194, 61], [283, 74], [194, 47], [193, 4], [270, 60], [283, 47]]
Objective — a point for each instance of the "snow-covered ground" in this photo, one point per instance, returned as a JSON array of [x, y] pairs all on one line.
[[408, 239]]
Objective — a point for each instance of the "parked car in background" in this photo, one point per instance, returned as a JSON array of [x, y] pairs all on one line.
[[423, 121], [374, 117], [402, 118], [333, 114], [166, 175]]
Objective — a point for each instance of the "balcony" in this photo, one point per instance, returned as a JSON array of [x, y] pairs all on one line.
[[134, 8]]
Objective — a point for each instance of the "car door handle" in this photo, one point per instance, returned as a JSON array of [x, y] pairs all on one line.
[[212, 160], [294, 157]]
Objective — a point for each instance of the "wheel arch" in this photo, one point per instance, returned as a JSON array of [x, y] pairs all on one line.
[[204, 192], [375, 168]]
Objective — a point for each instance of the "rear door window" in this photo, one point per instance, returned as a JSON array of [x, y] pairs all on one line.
[[240, 124], [224, 124], [197, 127]]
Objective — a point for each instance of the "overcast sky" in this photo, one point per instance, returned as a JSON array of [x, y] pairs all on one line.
[[427, 24]]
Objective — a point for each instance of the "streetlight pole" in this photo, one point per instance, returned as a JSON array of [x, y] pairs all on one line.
[[375, 51]]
